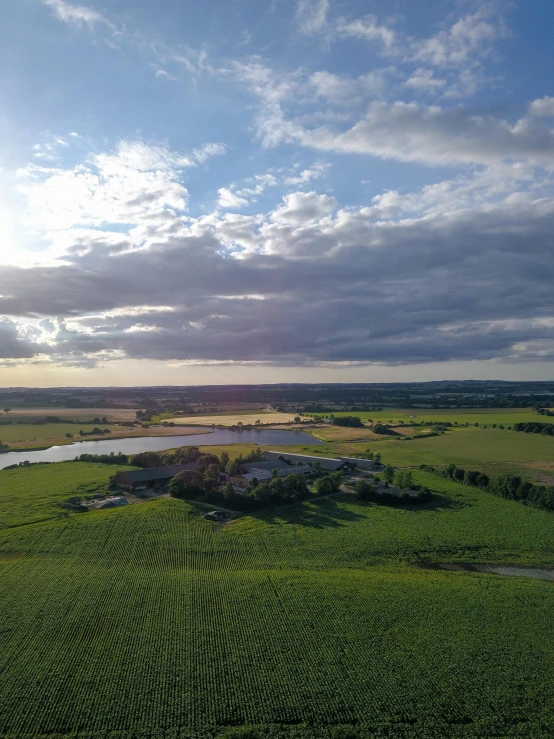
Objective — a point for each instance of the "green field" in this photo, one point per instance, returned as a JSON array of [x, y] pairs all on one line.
[[483, 416], [34, 494], [28, 435], [148, 621]]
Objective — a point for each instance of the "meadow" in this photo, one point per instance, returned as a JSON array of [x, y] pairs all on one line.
[[149, 621], [77, 414], [482, 416]]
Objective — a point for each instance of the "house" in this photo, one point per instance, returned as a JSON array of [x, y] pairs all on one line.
[[240, 484], [327, 464], [152, 477]]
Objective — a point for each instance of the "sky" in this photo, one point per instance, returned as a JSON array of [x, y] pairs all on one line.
[[227, 191]]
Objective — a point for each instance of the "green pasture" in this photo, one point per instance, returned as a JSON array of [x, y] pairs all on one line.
[[462, 446], [28, 435], [149, 621]]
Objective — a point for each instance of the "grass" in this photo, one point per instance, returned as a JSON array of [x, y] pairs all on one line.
[[149, 621], [463, 446], [27, 435], [483, 416], [31, 494], [77, 414]]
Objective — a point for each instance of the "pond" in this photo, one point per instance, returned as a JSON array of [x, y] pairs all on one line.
[[216, 437]]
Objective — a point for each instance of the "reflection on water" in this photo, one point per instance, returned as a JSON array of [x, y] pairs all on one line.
[[217, 437]]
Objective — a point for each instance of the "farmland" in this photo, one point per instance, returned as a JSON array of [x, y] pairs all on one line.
[[151, 621]]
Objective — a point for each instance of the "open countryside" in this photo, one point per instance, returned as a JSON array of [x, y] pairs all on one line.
[[278, 600]]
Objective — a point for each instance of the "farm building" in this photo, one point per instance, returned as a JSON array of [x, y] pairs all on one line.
[[327, 464], [152, 477], [269, 466], [363, 464]]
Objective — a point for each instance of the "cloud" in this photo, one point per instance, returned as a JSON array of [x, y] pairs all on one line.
[[424, 79], [78, 15], [228, 199], [434, 135], [459, 269], [543, 108], [367, 29], [337, 286], [312, 15], [136, 185]]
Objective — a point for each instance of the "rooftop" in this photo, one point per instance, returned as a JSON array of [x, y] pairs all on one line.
[[155, 473]]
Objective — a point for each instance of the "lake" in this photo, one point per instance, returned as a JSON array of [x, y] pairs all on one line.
[[217, 437]]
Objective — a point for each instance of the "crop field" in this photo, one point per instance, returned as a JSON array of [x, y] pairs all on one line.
[[148, 621], [32, 494]]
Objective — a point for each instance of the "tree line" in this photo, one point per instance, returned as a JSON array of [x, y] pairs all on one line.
[[535, 427], [510, 487]]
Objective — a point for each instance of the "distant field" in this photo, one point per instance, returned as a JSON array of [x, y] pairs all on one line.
[[483, 416], [148, 621], [29, 436], [232, 419], [112, 414], [462, 446]]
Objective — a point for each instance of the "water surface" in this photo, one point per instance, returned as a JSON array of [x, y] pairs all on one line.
[[217, 437]]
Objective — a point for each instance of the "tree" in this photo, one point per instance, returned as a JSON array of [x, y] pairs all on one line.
[[187, 485], [328, 485], [147, 459], [224, 459], [388, 474], [211, 477], [365, 490], [316, 469], [297, 419], [7, 410], [378, 457]]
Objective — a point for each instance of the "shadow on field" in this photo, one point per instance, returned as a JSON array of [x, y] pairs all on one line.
[[319, 514], [437, 503]]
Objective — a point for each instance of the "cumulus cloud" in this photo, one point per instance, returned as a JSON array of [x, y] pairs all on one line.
[[543, 108], [136, 185], [435, 135], [461, 269], [228, 199]]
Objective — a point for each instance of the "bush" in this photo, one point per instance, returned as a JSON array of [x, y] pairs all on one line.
[[381, 428], [352, 421]]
